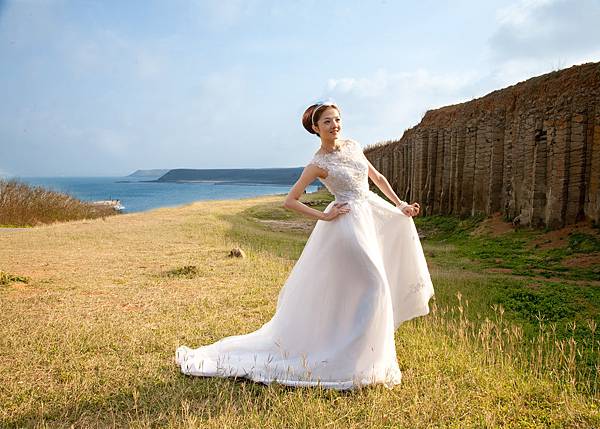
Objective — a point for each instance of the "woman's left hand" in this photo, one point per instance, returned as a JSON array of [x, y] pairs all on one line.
[[411, 209]]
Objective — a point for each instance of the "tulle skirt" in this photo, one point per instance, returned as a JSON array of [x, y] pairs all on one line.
[[358, 278]]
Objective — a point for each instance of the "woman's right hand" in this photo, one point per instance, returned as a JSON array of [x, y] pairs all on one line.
[[411, 209], [336, 210]]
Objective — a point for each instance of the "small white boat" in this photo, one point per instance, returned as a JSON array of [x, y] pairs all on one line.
[[115, 204]]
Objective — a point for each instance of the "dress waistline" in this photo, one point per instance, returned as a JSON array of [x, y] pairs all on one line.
[[354, 198]]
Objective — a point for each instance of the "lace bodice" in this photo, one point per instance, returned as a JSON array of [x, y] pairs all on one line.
[[347, 171]]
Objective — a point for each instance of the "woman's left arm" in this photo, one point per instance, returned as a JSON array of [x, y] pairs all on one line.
[[382, 183]]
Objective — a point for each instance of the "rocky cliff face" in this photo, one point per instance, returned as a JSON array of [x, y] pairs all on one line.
[[530, 151]]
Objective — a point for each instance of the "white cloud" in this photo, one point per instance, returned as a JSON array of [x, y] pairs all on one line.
[[383, 81], [520, 13], [555, 30], [539, 36], [386, 103]]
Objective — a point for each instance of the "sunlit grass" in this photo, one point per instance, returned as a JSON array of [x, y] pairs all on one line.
[[89, 341]]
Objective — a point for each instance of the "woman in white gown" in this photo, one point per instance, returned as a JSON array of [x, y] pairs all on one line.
[[361, 274]]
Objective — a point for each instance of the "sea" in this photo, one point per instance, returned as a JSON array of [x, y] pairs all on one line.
[[138, 195]]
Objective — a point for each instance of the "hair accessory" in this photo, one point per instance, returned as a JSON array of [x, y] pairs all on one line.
[[320, 104]]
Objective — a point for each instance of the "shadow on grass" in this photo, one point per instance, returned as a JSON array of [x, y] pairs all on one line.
[[174, 398]]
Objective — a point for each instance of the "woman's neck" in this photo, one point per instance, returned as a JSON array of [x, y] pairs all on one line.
[[330, 145]]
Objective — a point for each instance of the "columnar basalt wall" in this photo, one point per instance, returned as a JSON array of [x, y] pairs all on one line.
[[530, 151]]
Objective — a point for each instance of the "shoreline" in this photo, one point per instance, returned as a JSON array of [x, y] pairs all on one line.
[[140, 196], [177, 206]]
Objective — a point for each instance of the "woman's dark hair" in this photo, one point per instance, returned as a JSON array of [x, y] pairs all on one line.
[[318, 109]]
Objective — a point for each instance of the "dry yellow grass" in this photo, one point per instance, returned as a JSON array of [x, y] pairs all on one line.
[[89, 340], [25, 205]]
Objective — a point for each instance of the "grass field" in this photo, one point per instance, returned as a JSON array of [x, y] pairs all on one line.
[[91, 313]]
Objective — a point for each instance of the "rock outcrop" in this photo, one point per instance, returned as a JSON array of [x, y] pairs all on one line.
[[530, 151]]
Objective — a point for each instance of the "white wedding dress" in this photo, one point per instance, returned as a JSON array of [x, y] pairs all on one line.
[[358, 278]]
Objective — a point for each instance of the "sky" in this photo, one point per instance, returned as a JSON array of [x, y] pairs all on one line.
[[103, 88]]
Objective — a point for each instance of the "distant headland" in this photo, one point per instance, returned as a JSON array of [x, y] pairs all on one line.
[[251, 176], [148, 173]]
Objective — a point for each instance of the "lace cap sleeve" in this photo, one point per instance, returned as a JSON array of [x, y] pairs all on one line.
[[355, 146], [319, 162]]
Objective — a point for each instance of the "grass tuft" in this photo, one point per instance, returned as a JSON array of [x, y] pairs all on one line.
[[6, 278], [187, 271], [22, 205]]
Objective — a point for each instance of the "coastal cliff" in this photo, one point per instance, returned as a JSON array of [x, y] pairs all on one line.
[[530, 151]]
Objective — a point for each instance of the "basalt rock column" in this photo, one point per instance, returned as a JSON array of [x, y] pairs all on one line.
[[530, 151]]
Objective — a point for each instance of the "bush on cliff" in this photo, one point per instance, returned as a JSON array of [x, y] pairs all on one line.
[[25, 205]]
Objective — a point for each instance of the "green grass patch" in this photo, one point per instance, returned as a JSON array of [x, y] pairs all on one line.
[[249, 228], [510, 251], [187, 271], [6, 278], [583, 243]]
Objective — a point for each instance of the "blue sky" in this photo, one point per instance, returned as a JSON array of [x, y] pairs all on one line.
[[93, 88]]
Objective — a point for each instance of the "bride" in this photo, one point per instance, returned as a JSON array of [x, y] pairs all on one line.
[[361, 274]]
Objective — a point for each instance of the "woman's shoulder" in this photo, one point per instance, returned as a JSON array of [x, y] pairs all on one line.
[[318, 160], [354, 147], [353, 143]]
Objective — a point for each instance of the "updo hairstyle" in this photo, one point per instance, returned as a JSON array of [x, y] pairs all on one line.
[[308, 119]]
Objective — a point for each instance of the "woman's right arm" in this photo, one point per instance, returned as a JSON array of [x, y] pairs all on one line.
[[292, 201]]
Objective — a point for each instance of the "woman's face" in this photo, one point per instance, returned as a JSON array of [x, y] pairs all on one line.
[[329, 124]]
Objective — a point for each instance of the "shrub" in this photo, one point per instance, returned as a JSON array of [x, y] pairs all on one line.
[[25, 205]]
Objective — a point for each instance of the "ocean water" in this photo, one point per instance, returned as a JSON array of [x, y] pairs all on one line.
[[137, 196]]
